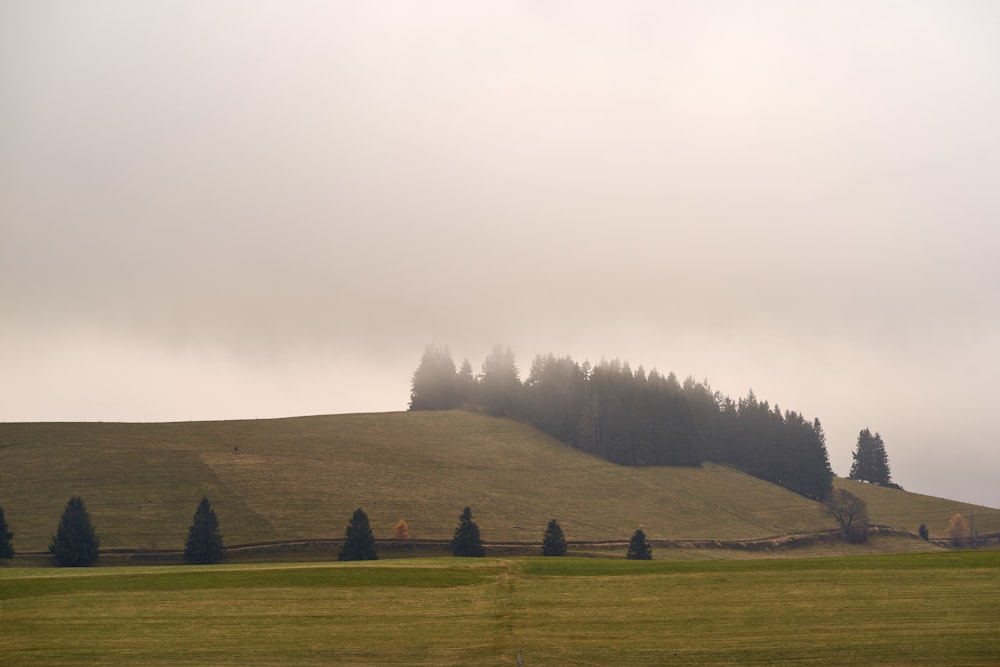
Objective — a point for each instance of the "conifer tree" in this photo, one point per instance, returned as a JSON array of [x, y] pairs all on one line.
[[6, 547], [75, 543], [871, 463], [203, 545], [466, 541], [638, 548], [553, 543], [359, 542]]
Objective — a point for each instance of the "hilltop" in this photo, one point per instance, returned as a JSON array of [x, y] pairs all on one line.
[[300, 478]]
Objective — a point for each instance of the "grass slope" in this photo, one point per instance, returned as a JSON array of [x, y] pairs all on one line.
[[926, 609], [302, 477]]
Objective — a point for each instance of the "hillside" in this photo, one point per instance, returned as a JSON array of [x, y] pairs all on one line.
[[302, 477]]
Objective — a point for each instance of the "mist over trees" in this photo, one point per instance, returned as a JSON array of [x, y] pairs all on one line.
[[633, 417]]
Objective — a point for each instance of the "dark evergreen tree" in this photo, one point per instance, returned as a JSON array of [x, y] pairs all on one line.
[[638, 547], [359, 542], [6, 537], [923, 532], [203, 545], [871, 463], [553, 542], [435, 382], [466, 541], [75, 543]]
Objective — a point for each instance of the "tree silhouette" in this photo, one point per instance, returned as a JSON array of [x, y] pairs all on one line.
[[6, 547], [359, 542], [466, 541], [638, 548], [553, 542], [75, 543], [871, 463], [203, 545], [851, 514]]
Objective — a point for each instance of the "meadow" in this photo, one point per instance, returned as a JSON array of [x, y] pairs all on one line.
[[913, 609], [301, 478]]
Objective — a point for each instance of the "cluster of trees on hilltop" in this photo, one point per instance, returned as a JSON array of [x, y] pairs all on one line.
[[632, 417]]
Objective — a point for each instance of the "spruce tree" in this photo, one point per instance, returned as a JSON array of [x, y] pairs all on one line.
[[871, 463], [553, 543], [359, 542], [203, 545], [466, 541], [75, 544], [638, 548], [6, 548]]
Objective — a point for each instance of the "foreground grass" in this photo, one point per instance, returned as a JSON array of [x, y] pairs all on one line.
[[934, 609]]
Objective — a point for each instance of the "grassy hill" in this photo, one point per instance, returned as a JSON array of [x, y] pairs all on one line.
[[301, 478]]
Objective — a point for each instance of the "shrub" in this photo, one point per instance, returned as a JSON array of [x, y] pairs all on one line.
[[402, 530], [924, 535]]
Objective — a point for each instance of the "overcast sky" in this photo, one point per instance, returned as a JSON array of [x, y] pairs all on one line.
[[218, 209]]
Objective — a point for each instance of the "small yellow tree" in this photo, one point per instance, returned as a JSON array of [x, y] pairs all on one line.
[[958, 529], [402, 530]]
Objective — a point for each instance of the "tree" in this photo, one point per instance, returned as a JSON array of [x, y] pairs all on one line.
[[466, 541], [638, 548], [435, 383], [6, 547], [958, 529], [75, 543], [553, 543], [851, 514], [359, 543], [871, 463], [203, 545], [922, 531], [402, 530], [500, 385]]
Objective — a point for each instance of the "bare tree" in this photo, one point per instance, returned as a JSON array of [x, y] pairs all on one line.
[[851, 513]]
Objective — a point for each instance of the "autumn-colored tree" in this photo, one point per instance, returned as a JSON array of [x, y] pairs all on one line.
[[402, 531], [958, 529]]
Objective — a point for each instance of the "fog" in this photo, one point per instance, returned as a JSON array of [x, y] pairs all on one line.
[[215, 210]]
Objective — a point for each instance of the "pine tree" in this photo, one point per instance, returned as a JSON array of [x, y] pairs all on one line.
[[466, 541], [359, 542], [638, 548], [435, 384], [6, 547], [75, 544], [203, 545], [553, 543], [871, 463]]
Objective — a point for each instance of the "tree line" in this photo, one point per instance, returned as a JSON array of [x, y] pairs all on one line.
[[632, 417], [76, 543]]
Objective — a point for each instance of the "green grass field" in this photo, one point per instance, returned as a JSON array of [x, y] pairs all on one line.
[[301, 478], [918, 609]]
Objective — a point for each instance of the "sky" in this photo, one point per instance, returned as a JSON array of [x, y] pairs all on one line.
[[233, 209]]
